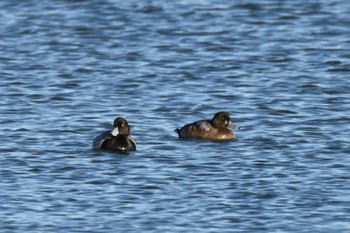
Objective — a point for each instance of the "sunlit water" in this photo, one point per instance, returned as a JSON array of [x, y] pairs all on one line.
[[280, 68]]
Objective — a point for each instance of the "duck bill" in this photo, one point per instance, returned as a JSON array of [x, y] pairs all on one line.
[[233, 126], [115, 131]]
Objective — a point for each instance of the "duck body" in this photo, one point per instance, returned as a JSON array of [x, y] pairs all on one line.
[[215, 129], [118, 139]]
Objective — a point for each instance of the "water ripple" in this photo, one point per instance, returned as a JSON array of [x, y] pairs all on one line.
[[279, 68]]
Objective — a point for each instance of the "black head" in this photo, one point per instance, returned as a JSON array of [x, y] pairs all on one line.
[[221, 119], [120, 127]]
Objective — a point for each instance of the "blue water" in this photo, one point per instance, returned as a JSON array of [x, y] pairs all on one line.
[[280, 68]]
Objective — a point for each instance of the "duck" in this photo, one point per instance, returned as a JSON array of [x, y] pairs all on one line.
[[118, 139], [215, 129]]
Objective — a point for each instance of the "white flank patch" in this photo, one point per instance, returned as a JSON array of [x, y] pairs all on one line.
[[203, 125]]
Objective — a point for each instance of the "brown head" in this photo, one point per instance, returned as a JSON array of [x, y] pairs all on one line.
[[221, 120]]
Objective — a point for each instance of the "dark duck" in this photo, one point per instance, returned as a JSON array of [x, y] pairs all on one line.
[[118, 139]]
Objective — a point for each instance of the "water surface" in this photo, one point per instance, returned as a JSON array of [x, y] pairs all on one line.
[[280, 68]]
